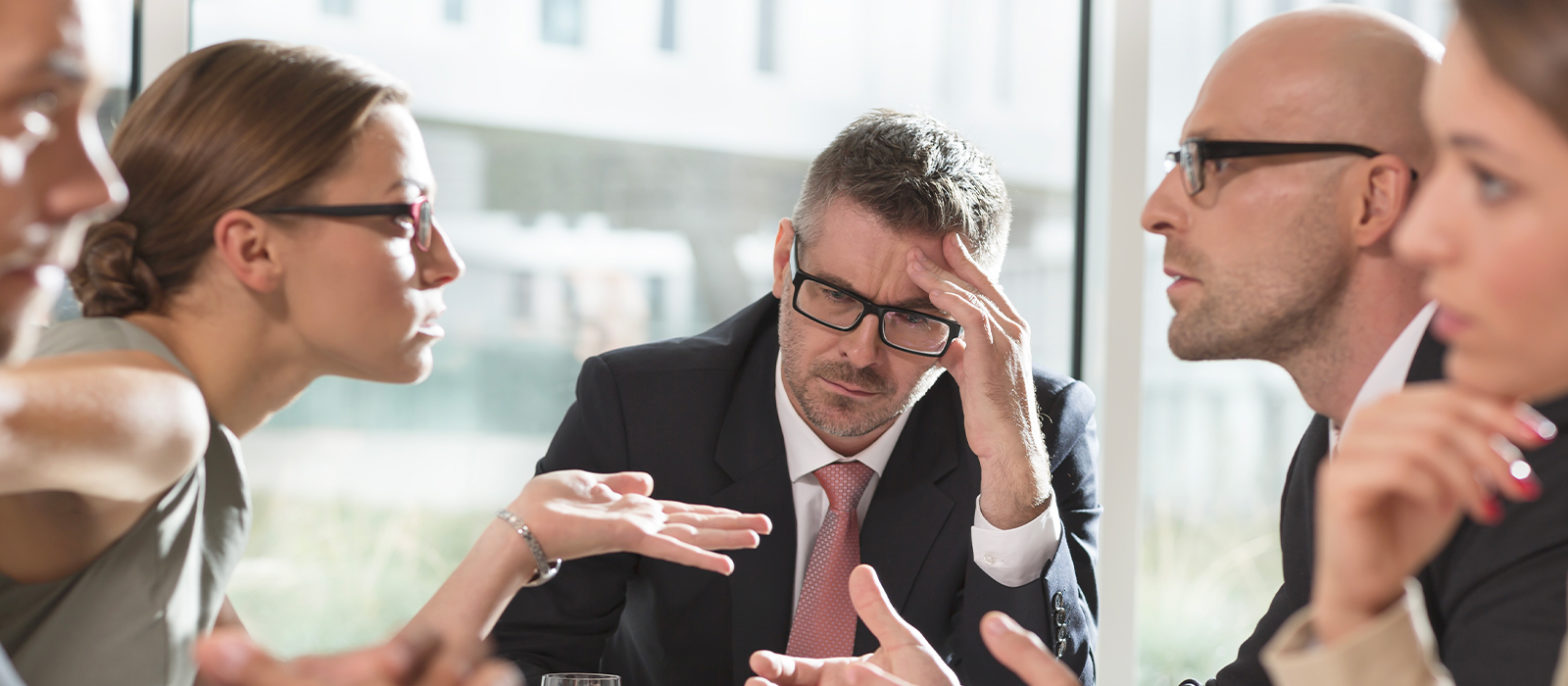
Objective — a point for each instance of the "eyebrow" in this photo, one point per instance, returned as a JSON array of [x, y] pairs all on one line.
[[60, 64], [916, 303], [1475, 142], [405, 182]]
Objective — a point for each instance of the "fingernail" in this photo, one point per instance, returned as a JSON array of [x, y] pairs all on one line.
[[1493, 512], [998, 624], [1537, 424], [1522, 473]]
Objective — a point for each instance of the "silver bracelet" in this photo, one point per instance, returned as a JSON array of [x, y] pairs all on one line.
[[547, 568]]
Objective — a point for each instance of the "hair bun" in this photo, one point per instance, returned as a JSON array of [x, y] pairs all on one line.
[[110, 280]]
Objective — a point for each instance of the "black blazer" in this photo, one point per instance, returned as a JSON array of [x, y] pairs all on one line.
[[1496, 595], [699, 415]]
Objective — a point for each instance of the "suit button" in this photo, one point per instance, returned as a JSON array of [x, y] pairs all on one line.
[[1060, 606]]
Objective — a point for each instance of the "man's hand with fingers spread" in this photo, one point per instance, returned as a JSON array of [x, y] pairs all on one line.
[[995, 376], [904, 652], [905, 658]]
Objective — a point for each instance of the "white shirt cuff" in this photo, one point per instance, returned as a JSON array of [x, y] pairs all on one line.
[[1015, 557]]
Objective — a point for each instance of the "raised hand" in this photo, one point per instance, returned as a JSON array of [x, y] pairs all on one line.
[[1392, 494], [577, 514], [904, 658], [412, 658], [991, 364]]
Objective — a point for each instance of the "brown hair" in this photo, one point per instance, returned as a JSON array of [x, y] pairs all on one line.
[[915, 174], [1526, 43], [235, 125]]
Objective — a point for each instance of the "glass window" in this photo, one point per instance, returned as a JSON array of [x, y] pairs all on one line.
[[767, 35], [561, 22], [602, 199], [668, 18], [341, 8], [1216, 436]]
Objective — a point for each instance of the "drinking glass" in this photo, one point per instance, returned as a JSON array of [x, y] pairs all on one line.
[[579, 679]]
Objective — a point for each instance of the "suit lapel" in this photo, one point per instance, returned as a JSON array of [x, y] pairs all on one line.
[[908, 510], [1296, 509], [1427, 365], [750, 450]]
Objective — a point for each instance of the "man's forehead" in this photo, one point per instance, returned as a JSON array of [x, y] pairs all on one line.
[[1239, 102]]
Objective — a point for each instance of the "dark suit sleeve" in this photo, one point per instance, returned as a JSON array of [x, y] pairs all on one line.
[[562, 626], [1496, 594], [1063, 607], [1247, 669]]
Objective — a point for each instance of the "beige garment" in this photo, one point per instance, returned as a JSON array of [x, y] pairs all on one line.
[[1396, 649]]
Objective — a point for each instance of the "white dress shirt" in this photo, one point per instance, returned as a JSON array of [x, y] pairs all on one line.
[[1388, 377], [1013, 557]]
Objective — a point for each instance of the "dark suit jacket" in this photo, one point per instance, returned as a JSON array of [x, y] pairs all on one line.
[[699, 415], [1496, 593]]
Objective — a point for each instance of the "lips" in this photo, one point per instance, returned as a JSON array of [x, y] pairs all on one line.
[[429, 327], [1448, 324], [849, 389]]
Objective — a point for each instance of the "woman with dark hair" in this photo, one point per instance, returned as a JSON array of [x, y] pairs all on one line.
[[280, 228], [1491, 228]]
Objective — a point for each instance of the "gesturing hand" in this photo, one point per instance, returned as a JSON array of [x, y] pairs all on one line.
[[577, 514], [996, 384], [1392, 494], [903, 658], [412, 658]]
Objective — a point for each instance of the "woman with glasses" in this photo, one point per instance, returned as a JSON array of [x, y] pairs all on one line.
[[280, 228], [1491, 228]]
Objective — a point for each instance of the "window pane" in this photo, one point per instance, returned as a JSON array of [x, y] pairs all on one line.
[[1217, 436], [603, 198]]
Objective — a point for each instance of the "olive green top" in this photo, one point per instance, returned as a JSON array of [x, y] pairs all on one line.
[[132, 615]]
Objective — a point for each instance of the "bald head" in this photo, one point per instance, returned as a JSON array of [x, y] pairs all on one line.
[[1336, 73]]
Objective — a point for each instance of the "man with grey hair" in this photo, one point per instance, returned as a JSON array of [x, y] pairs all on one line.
[[879, 405]]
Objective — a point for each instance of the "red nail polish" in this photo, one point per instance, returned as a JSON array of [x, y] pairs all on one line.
[[1493, 512], [1531, 487]]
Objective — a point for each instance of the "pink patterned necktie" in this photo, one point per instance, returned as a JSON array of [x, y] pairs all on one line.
[[825, 619]]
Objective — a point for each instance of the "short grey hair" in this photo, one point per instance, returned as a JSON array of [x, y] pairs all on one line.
[[917, 175]]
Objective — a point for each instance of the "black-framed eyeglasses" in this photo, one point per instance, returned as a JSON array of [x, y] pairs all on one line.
[[1194, 154], [840, 309], [421, 213]]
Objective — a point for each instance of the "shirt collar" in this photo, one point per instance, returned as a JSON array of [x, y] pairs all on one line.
[[806, 452], [1388, 377]]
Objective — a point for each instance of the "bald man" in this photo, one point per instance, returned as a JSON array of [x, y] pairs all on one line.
[[1297, 164]]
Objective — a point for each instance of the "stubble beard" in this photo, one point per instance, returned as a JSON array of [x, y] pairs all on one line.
[[834, 414], [1267, 312]]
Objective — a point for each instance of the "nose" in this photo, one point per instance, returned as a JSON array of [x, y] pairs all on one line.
[[1164, 211], [862, 346], [1431, 234], [440, 265]]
